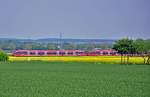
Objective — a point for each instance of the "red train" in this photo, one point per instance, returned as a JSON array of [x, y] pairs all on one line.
[[64, 53]]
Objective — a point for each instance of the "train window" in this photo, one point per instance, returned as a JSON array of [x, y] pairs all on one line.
[[32, 53], [51, 53], [61, 53], [21, 53], [24, 52], [41, 53], [79, 52], [98, 52], [17, 53], [112, 53], [70, 53], [92, 52], [105, 53]]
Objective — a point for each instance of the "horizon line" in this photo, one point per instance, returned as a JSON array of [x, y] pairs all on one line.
[[70, 38]]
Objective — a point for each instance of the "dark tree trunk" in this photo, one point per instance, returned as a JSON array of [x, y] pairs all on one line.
[[148, 59], [121, 58], [144, 60], [124, 59], [128, 58], [144, 57]]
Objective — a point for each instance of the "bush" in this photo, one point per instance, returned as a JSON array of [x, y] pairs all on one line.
[[3, 56]]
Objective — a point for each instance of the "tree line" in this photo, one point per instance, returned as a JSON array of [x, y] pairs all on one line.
[[129, 48], [9, 46]]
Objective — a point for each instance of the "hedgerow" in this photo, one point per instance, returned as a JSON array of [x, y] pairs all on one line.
[[3, 56]]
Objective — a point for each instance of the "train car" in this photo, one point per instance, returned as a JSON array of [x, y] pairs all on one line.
[[48, 53], [64, 53], [105, 52], [101, 53]]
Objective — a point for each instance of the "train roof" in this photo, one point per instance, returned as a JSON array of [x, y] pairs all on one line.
[[46, 50], [111, 50]]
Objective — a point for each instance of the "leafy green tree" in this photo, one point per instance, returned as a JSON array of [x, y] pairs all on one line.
[[124, 47], [140, 46], [27, 46], [143, 49], [90, 47], [3, 56], [70, 46], [104, 46], [39, 46], [51, 46], [81, 46], [147, 47]]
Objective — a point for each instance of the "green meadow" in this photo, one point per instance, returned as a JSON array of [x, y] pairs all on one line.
[[73, 79]]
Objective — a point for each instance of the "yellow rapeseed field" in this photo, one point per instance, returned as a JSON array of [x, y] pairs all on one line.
[[111, 59]]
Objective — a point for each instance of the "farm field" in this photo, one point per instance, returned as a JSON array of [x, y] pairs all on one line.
[[73, 79], [109, 59]]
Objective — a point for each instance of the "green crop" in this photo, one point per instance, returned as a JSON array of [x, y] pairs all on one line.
[[73, 79]]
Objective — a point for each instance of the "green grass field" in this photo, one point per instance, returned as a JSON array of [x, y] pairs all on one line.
[[73, 79]]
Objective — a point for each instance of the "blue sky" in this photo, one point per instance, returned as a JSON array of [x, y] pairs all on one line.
[[100, 19]]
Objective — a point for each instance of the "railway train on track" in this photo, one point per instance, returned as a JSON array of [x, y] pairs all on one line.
[[64, 53]]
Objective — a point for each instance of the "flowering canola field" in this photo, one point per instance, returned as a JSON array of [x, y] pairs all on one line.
[[111, 59]]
